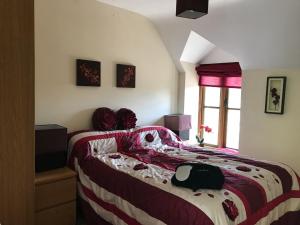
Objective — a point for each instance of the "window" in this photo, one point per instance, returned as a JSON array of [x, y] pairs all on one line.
[[220, 110]]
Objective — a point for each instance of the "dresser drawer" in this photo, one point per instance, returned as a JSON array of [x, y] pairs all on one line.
[[55, 193], [60, 215]]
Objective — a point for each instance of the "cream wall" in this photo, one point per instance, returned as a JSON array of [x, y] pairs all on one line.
[[181, 92], [189, 96], [268, 136], [70, 29]]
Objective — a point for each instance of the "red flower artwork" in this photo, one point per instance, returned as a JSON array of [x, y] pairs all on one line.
[[88, 73], [125, 76]]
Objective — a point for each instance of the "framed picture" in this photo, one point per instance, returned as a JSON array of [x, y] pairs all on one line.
[[88, 73], [125, 76], [275, 95]]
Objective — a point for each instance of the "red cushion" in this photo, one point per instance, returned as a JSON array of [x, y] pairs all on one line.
[[104, 119], [126, 119]]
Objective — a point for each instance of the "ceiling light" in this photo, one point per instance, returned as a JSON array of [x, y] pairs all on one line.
[[191, 9]]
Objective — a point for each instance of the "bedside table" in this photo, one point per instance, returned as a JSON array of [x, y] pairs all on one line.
[[50, 147], [55, 197]]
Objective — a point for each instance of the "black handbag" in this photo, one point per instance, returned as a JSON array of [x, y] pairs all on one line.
[[198, 176]]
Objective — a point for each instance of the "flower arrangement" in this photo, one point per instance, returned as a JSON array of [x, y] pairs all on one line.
[[200, 139]]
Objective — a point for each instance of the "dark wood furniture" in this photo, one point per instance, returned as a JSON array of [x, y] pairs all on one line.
[[55, 197], [50, 147], [17, 112]]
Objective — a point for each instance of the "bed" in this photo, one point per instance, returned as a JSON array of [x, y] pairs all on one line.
[[124, 178]]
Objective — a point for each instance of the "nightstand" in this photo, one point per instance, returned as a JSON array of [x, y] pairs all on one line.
[[50, 147], [55, 197]]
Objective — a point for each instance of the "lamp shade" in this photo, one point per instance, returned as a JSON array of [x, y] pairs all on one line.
[[191, 9], [178, 122]]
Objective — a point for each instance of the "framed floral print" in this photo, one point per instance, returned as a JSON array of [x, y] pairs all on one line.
[[275, 95], [125, 76], [88, 73]]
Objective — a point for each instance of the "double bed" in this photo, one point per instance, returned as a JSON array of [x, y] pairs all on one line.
[[124, 177]]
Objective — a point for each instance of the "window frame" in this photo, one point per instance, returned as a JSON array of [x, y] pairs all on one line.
[[223, 115]]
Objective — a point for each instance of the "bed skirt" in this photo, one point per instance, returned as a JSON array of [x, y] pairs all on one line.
[[290, 218], [92, 218]]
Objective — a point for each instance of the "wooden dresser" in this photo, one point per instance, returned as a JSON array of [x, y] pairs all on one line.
[[55, 197]]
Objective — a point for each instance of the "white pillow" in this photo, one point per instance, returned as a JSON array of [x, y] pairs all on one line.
[[106, 145], [156, 138]]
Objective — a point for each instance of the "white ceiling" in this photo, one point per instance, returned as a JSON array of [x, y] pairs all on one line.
[[258, 33], [196, 48]]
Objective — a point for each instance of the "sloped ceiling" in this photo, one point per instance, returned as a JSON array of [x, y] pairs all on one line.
[[258, 33], [199, 50], [196, 48]]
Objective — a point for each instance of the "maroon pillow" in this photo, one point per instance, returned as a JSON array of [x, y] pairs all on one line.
[[126, 119], [104, 119]]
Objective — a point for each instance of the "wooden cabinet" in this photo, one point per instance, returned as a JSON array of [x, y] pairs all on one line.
[[55, 197]]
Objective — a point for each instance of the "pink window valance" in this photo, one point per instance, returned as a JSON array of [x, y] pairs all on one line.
[[227, 75]]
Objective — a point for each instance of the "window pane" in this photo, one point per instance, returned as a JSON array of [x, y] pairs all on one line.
[[211, 119], [212, 96], [233, 129], [234, 98]]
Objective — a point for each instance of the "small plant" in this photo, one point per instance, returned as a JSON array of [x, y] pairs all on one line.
[[200, 139], [276, 97]]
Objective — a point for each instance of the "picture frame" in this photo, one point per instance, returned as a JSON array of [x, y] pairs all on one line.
[[275, 94], [88, 73], [125, 76]]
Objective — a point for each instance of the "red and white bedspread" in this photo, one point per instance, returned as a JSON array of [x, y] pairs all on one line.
[[124, 177]]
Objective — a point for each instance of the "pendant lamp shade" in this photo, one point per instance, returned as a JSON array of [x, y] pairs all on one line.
[[191, 9]]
